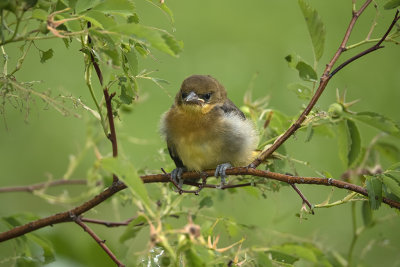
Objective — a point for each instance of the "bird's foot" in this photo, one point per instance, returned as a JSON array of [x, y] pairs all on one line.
[[176, 176], [221, 172]]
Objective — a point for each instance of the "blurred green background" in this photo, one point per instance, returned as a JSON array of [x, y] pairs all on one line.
[[232, 41]]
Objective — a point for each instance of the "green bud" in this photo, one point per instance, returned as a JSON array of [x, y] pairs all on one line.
[[335, 110]]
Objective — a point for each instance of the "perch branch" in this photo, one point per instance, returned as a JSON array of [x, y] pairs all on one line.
[[188, 176]]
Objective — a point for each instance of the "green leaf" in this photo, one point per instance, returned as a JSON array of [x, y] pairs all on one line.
[[393, 184], [315, 27], [116, 6], [99, 19], [310, 132], [206, 202], [388, 150], [157, 38], [367, 214], [83, 5], [132, 60], [354, 142], [168, 11], [349, 142], [297, 250], [128, 175], [46, 55], [306, 72], [263, 260], [302, 91], [392, 4], [193, 259], [45, 245], [133, 228], [39, 14], [377, 121], [374, 188]]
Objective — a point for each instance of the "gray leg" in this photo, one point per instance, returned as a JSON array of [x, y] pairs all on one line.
[[176, 175], [221, 172]]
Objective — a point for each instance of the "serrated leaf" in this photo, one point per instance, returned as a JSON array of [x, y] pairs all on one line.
[[99, 19], [83, 5], [206, 202], [117, 6], [302, 91], [133, 19], [393, 185], [315, 27], [374, 188], [354, 142], [133, 228], [46, 55], [128, 175], [157, 38], [367, 214], [392, 4], [377, 121]]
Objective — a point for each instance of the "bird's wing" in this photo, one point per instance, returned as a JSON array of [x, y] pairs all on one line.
[[229, 107], [174, 155]]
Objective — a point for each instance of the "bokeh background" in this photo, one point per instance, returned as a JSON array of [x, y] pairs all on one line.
[[233, 41]]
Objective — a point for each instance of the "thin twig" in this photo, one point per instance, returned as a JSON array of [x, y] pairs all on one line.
[[98, 240], [305, 200], [107, 223], [34, 187], [322, 85]]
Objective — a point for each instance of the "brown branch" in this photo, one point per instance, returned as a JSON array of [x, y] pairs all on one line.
[[305, 200], [63, 216], [107, 223], [34, 187], [187, 176], [322, 85], [98, 240], [369, 50]]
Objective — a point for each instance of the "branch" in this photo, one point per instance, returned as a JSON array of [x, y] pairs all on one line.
[[98, 240], [34, 187], [188, 177], [325, 78], [107, 223]]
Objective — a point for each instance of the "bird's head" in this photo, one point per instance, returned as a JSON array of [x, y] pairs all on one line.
[[200, 93]]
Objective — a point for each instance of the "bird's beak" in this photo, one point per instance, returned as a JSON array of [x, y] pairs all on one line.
[[193, 98]]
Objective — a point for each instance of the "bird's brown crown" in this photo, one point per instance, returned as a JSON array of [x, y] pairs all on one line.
[[206, 90]]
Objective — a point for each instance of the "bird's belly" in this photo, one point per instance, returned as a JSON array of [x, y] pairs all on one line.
[[197, 154]]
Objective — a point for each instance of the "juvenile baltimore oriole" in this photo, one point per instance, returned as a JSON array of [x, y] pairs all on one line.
[[205, 130]]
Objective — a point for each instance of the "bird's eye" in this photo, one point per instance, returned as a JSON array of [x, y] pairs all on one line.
[[184, 95], [207, 96]]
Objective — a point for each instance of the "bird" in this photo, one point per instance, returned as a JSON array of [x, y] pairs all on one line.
[[204, 129]]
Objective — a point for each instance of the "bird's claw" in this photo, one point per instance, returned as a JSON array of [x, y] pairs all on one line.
[[176, 176], [221, 172]]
